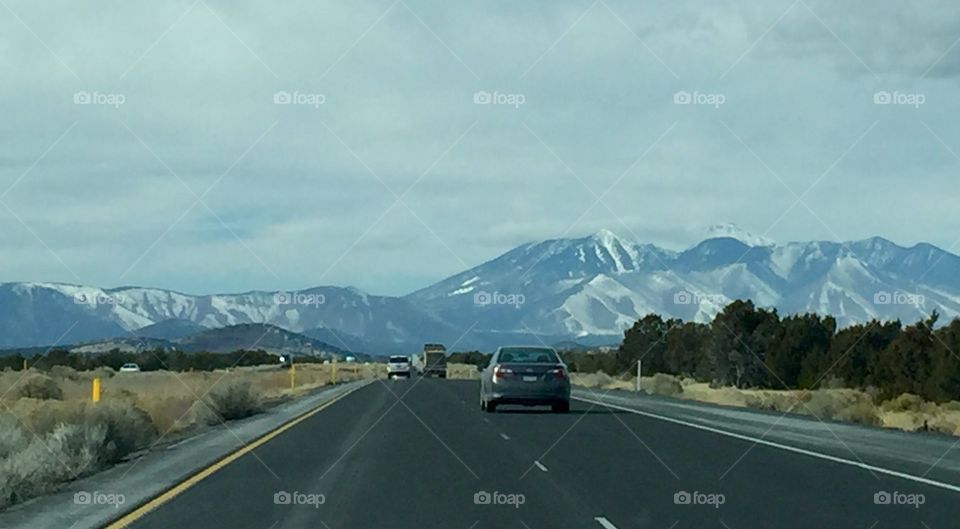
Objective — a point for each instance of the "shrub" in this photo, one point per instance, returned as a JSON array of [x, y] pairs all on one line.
[[128, 428], [953, 405], [103, 372], [907, 402], [842, 405], [64, 372], [67, 452], [40, 386], [661, 384], [235, 400], [592, 380], [176, 413]]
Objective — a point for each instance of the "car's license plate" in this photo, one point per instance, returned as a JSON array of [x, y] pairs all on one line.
[[529, 379]]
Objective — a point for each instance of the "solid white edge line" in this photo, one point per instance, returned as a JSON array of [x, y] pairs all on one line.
[[604, 522], [773, 444], [540, 466]]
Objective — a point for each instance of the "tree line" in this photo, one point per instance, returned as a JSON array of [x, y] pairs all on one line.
[[152, 360], [746, 346]]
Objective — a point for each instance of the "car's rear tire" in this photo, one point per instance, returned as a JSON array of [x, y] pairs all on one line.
[[491, 407], [562, 406]]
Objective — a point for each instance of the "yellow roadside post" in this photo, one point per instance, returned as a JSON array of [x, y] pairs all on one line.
[[293, 374], [333, 372], [95, 390], [24, 364]]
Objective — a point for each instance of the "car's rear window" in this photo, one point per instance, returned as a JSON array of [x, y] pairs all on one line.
[[399, 360], [528, 355]]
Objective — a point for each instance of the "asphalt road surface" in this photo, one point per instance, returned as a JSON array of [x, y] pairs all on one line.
[[421, 454]]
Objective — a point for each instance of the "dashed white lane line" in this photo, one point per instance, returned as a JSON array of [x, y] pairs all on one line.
[[540, 466], [605, 523], [505, 436]]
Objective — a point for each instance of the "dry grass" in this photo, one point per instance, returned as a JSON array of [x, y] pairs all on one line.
[[50, 432], [907, 412], [463, 371], [177, 401]]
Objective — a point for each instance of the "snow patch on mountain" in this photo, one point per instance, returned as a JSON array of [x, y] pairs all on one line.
[[736, 232]]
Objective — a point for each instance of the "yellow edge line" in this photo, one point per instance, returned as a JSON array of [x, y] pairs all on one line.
[[179, 488]]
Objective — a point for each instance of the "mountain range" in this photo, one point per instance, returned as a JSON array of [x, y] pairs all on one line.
[[587, 289]]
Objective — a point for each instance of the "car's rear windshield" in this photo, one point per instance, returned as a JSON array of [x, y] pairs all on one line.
[[399, 360], [528, 355]]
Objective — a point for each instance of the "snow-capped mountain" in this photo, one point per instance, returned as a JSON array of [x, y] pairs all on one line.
[[590, 287], [54, 313], [602, 283]]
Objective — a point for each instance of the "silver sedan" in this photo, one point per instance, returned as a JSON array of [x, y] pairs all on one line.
[[525, 375]]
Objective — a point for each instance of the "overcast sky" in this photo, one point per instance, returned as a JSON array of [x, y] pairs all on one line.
[[142, 142]]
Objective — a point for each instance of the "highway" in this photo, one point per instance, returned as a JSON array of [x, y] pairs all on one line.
[[421, 454]]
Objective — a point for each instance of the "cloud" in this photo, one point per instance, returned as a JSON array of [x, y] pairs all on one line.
[[382, 105]]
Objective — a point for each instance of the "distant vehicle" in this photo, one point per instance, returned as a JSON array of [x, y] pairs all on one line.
[[350, 359], [286, 359], [433, 361], [529, 376], [398, 366], [130, 368]]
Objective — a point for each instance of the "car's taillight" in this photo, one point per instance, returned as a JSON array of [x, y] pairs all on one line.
[[558, 373], [500, 372]]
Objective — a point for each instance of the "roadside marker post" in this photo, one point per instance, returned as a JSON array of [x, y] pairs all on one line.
[[639, 370], [95, 390], [333, 372], [293, 374]]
